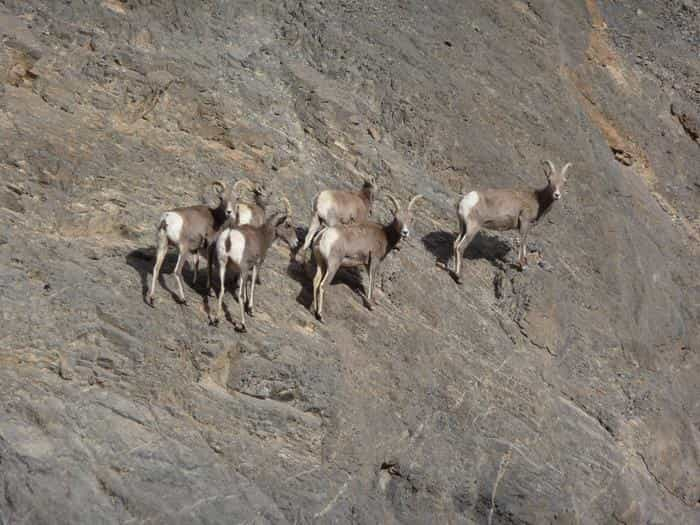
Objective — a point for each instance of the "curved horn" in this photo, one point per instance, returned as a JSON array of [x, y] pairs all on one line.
[[551, 167], [395, 201], [565, 169], [287, 205], [413, 201], [241, 182], [221, 184]]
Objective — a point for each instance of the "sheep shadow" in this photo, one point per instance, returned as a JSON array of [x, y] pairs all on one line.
[[483, 246], [303, 272], [143, 259]]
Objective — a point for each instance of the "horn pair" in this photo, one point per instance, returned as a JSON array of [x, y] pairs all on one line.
[[398, 205], [553, 170]]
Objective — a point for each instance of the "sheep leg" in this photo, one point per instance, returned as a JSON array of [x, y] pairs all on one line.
[[210, 260], [252, 291], [162, 249], [313, 229], [242, 283], [222, 280], [317, 283], [524, 227], [331, 270], [471, 229], [456, 249], [371, 270], [178, 274], [195, 267]]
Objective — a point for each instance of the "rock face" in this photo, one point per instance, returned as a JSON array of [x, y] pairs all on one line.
[[565, 394]]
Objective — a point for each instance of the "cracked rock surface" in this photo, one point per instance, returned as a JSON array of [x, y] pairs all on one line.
[[564, 394]]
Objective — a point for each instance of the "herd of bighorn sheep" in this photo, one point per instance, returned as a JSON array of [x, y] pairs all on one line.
[[237, 233]]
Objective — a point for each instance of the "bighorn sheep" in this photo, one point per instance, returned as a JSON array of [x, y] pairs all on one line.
[[253, 213], [505, 209], [357, 245], [244, 247], [332, 207], [191, 229]]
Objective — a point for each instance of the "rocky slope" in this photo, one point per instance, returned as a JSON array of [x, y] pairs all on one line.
[[565, 394]]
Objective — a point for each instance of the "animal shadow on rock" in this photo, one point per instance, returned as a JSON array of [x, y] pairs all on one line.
[[483, 246], [303, 273], [142, 260]]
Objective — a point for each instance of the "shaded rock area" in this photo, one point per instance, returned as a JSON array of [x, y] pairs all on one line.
[[564, 394]]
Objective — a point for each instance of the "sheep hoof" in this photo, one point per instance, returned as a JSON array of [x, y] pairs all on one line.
[[319, 317], [214, 321], [150, 302], [181, 300], [250, 312], [242, 329]]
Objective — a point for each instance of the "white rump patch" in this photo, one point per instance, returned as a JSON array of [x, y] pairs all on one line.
[[173, 226], [324, 204], [467, 203], [328, 239], [235, 253], [245, 215]]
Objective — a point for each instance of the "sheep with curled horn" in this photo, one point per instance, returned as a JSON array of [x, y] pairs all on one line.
[[333, 207], [506, 209], [243, 248], [252, 213], [191, 230], [357, 245]]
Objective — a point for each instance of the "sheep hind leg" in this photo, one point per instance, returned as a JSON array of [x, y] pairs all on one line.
[[331, 270], [314, 227], [220, 302], [242, 283], [471, 230], [317, 282], [252, 291], [457, 250], [161, 250], [178, 275]]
